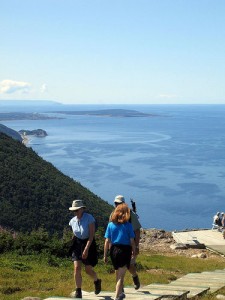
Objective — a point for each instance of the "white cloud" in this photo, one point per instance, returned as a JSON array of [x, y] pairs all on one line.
[[8, 86], [44, 88]]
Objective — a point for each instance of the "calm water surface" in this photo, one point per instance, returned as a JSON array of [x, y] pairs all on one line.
[[172, 164]]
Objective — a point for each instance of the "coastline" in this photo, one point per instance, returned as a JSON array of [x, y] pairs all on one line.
[[25, 139]]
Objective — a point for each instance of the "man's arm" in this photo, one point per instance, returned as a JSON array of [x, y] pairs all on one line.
[[136, 227], [137, 240]]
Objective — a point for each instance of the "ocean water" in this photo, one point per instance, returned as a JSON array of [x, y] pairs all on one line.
[[171, 164]]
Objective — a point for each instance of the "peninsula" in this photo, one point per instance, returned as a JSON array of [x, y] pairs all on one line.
[[108, 113], [9, 116], [35, 132]]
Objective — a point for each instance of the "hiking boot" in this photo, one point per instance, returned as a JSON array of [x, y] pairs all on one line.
[[122, 296], [136, 282], [97, 286], [78, 294]]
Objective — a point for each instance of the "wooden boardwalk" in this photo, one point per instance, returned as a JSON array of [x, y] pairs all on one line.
[[189, 286], [212, 239]]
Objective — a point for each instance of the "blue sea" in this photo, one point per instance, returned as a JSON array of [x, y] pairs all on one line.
[[172, 164]]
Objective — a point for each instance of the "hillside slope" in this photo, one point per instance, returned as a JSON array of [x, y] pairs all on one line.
[[10, 132], [34, 193]]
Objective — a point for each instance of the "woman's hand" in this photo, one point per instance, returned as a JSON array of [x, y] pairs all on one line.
[[106, 248]]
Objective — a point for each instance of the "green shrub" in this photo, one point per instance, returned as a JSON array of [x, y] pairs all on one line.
[[6, 241], [20, 266]]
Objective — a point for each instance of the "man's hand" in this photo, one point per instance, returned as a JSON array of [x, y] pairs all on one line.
[[137, 250]]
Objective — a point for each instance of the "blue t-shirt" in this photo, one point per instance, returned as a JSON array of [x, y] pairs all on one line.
[[81, 227], [119, 233]]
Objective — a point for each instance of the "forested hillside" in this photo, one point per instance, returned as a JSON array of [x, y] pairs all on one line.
[[34, 193]]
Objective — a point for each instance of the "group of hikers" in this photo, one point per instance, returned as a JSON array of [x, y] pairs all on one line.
[[122, 237], [219, 220]]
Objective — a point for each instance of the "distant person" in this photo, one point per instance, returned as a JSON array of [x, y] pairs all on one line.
[[223, 220], [223, 224], [217, 220], [84, 247], [119, 199], [120, 241]]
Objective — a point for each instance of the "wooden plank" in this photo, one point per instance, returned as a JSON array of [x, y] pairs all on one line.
[[210, 238], [58, 298], [178, 288], [218, 271], [210, 272], [211, 286], [202, 280], [109, 296], [190, 286], [164, 286], [130, 293], [217, 276], [214, 276], [193, 290], [148, 290]]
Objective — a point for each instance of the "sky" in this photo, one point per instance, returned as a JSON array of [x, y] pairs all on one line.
[[113, 51]]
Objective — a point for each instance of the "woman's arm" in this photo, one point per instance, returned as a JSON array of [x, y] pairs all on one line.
[[106, 248]]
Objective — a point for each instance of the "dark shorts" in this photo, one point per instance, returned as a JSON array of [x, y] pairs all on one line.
[[120, 256], [78, 248]]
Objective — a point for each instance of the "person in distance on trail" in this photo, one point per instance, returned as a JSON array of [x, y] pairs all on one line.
[[120, 241], [84, 247], [217, 220], [223, 224], [119, 199], [223, 219]]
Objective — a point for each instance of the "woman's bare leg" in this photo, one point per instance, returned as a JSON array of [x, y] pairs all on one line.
[[120, 274], [77, 274]]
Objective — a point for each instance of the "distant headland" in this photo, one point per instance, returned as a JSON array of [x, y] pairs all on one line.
[[24, 116], [35, 132], [26, 133], [108, 113], [124, 113]]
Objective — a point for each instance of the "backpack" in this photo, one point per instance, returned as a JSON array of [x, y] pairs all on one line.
[[134, 209]]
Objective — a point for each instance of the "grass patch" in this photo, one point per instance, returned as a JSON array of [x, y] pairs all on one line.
[[45, 276]]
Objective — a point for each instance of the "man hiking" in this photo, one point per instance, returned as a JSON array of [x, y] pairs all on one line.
[[136, 227]]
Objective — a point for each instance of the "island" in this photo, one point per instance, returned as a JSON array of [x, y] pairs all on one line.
[[36, 132]]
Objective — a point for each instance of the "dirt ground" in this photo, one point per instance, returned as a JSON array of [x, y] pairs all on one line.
[[160, 241]]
